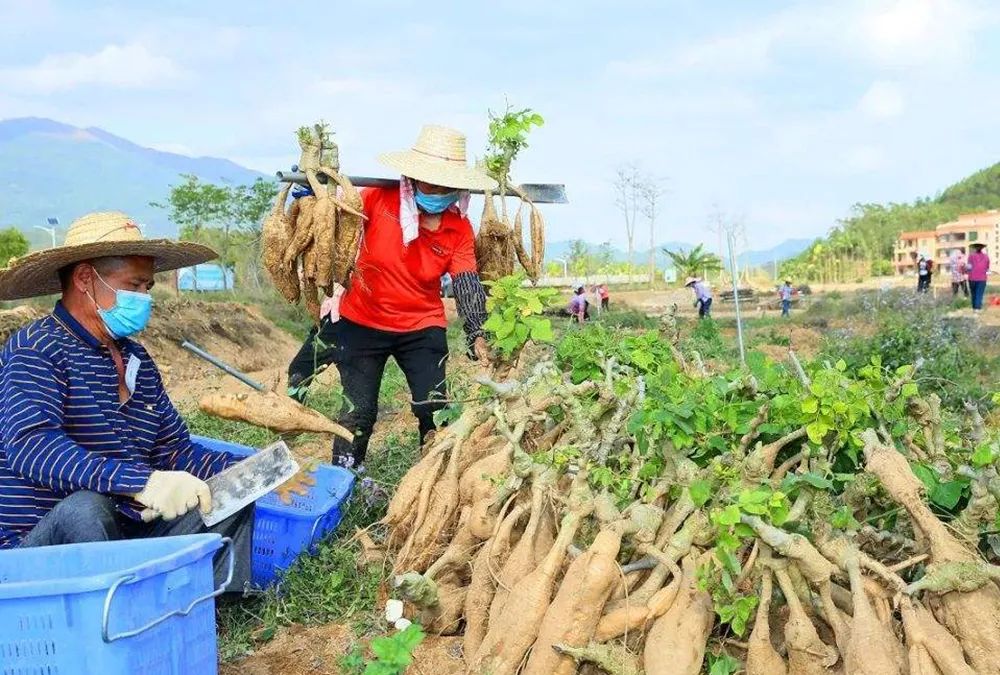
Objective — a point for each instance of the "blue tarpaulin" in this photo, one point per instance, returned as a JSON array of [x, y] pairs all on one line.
[[208, 277]]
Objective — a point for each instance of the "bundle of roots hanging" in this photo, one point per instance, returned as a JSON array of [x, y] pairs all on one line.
[[311, 246], [508, 533], [500, 245]]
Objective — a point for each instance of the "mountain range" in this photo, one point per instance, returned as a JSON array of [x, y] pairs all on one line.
[[49, 169], [53, 170]]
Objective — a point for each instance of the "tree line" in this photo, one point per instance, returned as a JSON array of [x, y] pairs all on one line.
[[861, 245], [226, 218]]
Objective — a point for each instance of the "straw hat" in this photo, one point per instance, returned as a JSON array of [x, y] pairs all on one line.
[[438, 157], [95, 235], [690, 280]]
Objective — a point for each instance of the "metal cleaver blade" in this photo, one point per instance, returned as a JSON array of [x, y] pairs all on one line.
[[248, 480]]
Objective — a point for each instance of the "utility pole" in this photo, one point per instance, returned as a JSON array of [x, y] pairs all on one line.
[[50, 230], [736, 297], [565, 265]]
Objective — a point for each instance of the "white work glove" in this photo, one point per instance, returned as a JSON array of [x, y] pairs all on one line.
[[170, 494], [330, 307]]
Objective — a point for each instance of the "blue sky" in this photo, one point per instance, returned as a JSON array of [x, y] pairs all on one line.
[[778, 114]]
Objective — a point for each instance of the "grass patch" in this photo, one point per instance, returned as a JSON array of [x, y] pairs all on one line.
[[626, 317], [327, 587]]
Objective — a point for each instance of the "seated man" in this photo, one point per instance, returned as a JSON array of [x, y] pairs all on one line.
[[91, 448]]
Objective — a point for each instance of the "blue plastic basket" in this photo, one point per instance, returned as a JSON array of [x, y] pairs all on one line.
[[136, 607], [284, 531]]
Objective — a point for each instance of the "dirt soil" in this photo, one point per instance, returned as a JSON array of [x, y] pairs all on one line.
[[315, 650]]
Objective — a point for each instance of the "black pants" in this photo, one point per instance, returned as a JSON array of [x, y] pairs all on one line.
[[705, 308], [957, 286], [360, 354], [604, 303], [924, 283]]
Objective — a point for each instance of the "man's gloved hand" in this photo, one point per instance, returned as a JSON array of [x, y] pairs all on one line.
[[170, 494]]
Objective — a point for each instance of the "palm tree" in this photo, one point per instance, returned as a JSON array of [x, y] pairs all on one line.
[[695, 262]]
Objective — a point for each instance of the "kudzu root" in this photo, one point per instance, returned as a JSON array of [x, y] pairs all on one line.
[[677, 641], [873, 649], [964, 577], [932, 649], [613, 659], [762, 657]]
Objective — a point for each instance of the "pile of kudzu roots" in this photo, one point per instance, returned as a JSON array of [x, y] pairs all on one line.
[[620, 508], [312, 245]]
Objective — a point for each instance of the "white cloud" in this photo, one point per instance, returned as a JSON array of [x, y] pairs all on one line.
[[918, 32], [883, 100], [130, 66], [864, 159], [883, 33]]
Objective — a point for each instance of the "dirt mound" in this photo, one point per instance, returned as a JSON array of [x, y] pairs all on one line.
[[315, 650], [238, 334], [12, 319]]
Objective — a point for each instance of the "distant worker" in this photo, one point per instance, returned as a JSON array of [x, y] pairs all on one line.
[[702, 296], [785, 292], [925, 270], [578, 305], [979, 267], [959, 276], [605, 296]]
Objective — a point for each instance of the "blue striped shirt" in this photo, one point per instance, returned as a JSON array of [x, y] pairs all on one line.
[[63, 427]]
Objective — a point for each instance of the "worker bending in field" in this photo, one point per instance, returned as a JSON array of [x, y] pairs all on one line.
[[702, 296], [579, 306], [413, 235], [91, 448]]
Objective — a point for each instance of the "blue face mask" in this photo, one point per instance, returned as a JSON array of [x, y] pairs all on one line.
[[130, 313], [435, 203]]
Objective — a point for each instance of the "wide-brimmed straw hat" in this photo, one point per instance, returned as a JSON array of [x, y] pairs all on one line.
[[438, 157], [95, 235], [690, 280]]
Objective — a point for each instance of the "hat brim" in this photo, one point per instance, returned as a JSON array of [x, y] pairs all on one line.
[[437, 172], [37, 273]]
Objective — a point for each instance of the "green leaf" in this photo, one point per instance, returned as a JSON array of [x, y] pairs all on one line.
[[542, 332], [410, 637], [701, 491], [983, 456], [729, 515], [817, 431], [810, 406], [841, 365], [946, 495], [909, 390], [723, 664], [926, 475], [843, 519], [817, 481]]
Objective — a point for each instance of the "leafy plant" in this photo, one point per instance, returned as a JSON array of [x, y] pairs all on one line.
[[508, 135], [695, 262], [13, 244], [515, 314], [393, 654]]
